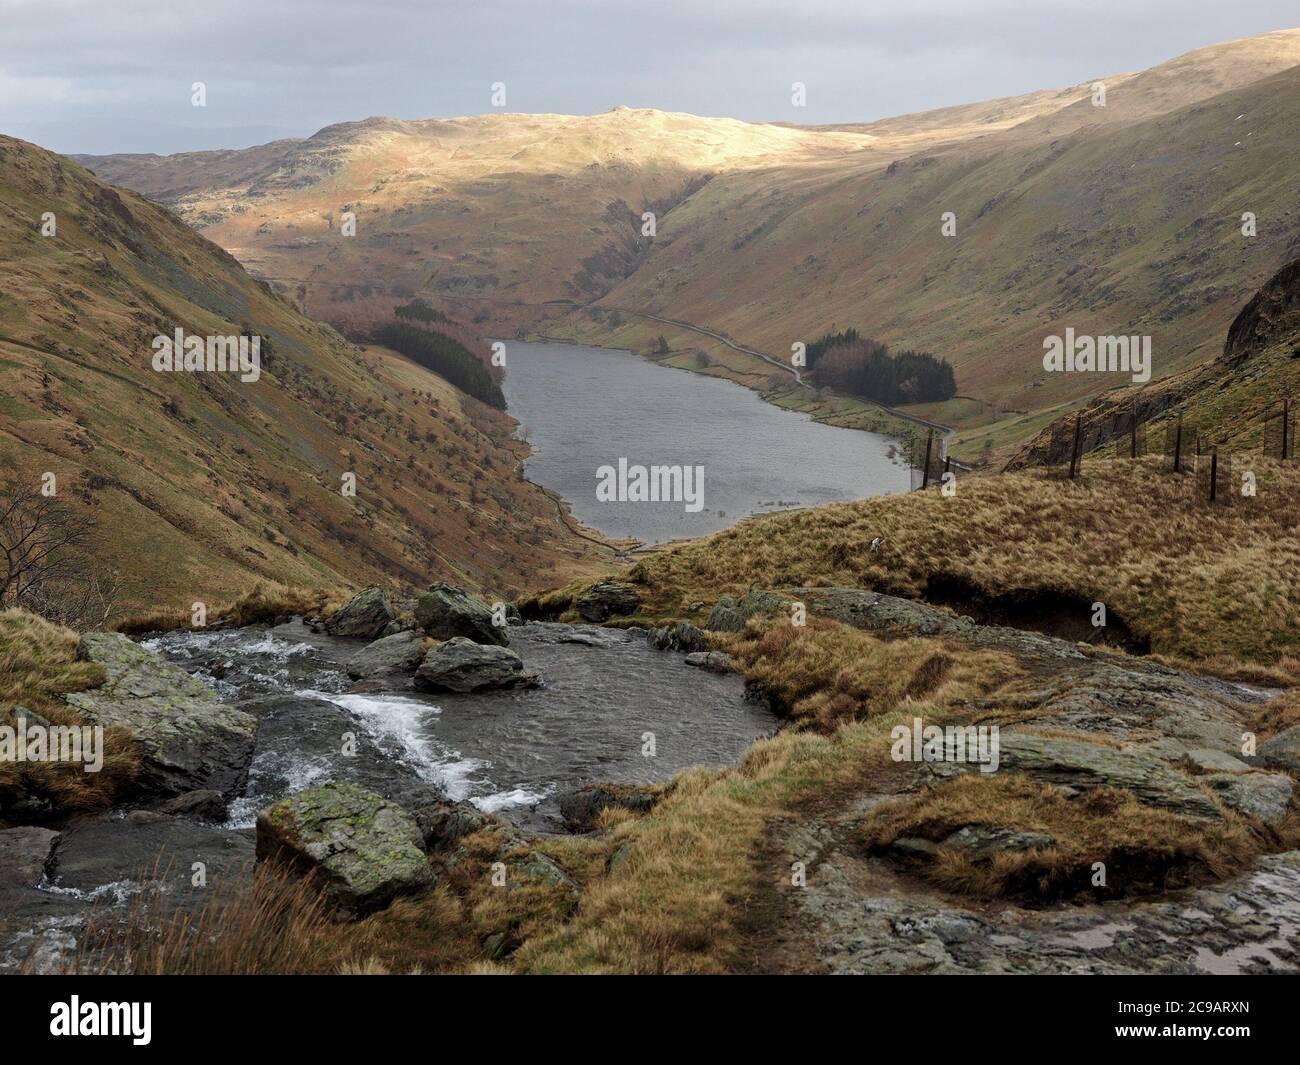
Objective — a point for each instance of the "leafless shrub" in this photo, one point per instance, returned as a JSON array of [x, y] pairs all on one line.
[[47, 564]]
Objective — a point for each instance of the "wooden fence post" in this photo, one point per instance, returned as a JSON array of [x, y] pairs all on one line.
[[1074, 451]]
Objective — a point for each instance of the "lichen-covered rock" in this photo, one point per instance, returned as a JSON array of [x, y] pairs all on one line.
[[445, 611], [607, 599], [365, 616], [365, 848], [756, 603], [725, 616], [399, 653], [713, 661], [461, 665], [1261, 795], [188, 739], [1085, 765]]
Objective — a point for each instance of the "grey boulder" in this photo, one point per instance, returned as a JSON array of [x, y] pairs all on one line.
[[1281, 751], [461, 665], [607, 599], [445, 611], [365, 849], [364, 616], [398, 653]]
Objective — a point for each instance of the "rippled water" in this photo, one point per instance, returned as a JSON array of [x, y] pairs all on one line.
[[583, 408], [600, 709]]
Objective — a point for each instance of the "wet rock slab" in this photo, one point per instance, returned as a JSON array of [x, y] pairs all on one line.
[[189, 738]]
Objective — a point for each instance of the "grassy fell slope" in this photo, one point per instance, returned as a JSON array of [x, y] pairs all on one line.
[[1188, 579], [202, 484], [501, 206], [1234, 399], [1122, 218], [1132, 229]]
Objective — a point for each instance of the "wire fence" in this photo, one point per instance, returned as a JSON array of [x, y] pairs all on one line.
[[1186, 449]]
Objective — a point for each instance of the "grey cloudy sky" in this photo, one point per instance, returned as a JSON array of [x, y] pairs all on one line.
[[104, 76]]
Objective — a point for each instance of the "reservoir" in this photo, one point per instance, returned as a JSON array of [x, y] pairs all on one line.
[[583, 409]]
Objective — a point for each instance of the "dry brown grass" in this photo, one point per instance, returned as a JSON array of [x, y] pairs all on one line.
[[38, 665], [825, 673], [265, 602], [275, 924], [1279, 713], [1144, 849], [1284, 673], [1196, 581]]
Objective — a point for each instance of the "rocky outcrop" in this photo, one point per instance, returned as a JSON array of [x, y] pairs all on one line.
[[680, 637], [1264, 796], [365, 616], [461, 665], [387, 656], [730, 615], [1281, 751], [725, 616], [445, 611], [188, 739], [1273, 313], [365, 849], [713, 661], [858, 914], [1082, 765], [607, 599]]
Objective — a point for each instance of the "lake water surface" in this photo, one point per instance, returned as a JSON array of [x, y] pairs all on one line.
[[584, 408]]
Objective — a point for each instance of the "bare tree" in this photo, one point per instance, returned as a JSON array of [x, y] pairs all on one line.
[[46, 557]]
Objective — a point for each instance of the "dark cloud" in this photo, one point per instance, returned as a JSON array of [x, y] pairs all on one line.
[[85, 76]]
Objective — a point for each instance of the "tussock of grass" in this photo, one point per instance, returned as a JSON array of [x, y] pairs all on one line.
[[278, 924], [1144, 849], [1278, 714], [1195, 580], [1284, 673], [551, 604], [265, 602], [825, 673], [38, 665]]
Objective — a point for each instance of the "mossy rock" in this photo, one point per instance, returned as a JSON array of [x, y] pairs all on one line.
[[365, 849]]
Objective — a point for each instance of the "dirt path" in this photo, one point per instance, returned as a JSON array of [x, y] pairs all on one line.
[[1105, 720]]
